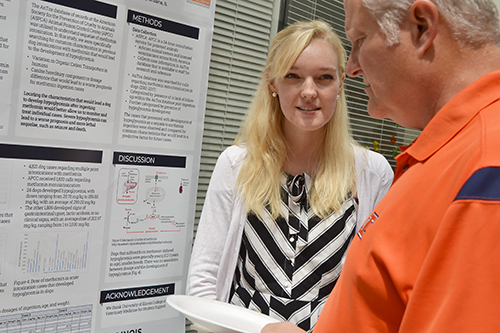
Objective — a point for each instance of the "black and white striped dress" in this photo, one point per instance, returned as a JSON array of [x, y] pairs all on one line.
[[288, 267]]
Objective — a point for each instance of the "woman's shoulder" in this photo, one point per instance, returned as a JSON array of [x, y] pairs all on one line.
[[233, 155], [367, 160]]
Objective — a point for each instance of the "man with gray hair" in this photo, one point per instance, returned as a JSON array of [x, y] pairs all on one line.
[[426, 258]]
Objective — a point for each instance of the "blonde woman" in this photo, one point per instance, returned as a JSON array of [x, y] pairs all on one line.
[[286, 199]]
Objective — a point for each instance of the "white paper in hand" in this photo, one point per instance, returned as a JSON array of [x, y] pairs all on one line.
[[219, 317]]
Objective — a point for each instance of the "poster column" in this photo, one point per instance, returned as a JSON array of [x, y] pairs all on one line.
[[101, 121], [9, 12]]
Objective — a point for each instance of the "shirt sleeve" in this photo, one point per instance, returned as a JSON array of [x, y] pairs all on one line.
[[456, 290], [213, 231], [375, 177]]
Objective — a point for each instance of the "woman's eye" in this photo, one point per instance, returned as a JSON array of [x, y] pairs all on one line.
[[326, 77], [291, 76]]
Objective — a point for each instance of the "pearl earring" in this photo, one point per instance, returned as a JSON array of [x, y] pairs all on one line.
[[338, 96], [274, 94]]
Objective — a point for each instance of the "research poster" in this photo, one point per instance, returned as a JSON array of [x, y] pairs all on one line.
[[101, 119]]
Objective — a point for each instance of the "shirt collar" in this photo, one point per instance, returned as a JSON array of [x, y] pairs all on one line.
[[454, 116]]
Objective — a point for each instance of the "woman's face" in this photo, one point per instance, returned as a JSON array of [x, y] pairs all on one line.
[[308, 92]]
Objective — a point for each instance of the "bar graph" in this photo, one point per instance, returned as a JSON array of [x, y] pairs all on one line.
[[54, 252]]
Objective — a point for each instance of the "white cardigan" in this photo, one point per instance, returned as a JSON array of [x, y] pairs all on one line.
[[218, 239]]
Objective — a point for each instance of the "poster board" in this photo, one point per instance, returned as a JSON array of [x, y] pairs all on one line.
[[101, 119]]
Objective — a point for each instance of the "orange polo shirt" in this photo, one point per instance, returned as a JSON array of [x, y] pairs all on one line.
[[428, 259]]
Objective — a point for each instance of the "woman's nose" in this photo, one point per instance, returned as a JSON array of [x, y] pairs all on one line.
[[309, 89]]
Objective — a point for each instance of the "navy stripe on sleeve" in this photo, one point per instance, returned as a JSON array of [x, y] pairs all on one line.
[[484, 184]]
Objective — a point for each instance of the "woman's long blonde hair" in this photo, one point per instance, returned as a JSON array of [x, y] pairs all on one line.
[[262, 133]]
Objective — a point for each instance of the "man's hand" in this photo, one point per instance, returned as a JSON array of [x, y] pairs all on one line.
[[283, 327]]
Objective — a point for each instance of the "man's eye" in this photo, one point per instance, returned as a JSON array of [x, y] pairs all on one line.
[[360, 41]]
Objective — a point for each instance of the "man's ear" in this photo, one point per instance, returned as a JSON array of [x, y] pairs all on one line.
[[424, 20]]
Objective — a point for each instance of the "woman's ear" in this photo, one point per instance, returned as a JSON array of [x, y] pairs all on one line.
[[424, 21], [272, 88], [342, 81]]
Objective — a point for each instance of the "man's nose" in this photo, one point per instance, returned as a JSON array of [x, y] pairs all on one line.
[[353, 68]]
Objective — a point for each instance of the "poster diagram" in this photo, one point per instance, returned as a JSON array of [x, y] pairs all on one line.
[[149, 209], [128, 179], [155, 193]]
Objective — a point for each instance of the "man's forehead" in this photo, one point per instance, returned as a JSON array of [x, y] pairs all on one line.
[[352, 15], [353, 8], [349, 4]]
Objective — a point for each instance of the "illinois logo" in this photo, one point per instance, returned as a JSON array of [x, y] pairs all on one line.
[[371, 219]]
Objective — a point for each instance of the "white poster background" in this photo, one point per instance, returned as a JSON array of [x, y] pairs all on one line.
[[101, 119]]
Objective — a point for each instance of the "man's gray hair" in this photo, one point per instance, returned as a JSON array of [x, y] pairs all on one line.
[[474, 22]]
